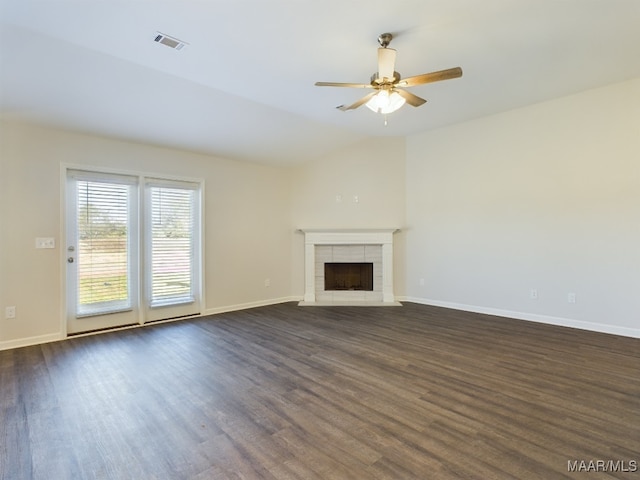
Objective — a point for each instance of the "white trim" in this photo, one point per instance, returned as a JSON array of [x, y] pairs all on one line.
[[29, 341], [201, 246], [245, 306], [123, 171], [531, 317], [364, 236], [62, 249]]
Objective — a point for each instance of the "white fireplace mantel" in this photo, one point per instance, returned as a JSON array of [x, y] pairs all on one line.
[[374, 236]]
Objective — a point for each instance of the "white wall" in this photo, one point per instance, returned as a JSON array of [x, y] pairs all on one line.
[[248, 233], [372, 170], [544, 197]]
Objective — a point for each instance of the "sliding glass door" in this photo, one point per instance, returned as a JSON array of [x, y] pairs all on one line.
[[130, 258]]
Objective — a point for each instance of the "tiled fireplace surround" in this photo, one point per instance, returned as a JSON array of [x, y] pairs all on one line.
[[370, 245]]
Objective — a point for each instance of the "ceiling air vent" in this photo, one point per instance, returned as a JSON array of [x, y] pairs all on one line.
[[170, 41]]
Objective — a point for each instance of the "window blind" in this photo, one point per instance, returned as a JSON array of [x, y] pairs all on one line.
[[103, 247], [172, 224]]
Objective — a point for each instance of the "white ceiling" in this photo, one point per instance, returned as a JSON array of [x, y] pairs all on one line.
[[244, 86]]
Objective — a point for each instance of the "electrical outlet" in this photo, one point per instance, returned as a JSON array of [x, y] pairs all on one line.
[[533, 294], [267, 282], [422, 282], [10, 312], [571, 298]]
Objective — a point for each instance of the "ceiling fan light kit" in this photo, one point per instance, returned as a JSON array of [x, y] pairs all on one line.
[[388, 95], [385, 102]]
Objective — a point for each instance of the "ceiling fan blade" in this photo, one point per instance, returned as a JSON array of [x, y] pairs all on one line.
[[430, 77], [386, 63], [350, 85], [413, 100], [359, 103]]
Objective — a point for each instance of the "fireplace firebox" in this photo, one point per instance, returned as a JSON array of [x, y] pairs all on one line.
[[348, 276]]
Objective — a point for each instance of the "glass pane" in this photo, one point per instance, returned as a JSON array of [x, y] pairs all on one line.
[[172, 223], [103, 247]]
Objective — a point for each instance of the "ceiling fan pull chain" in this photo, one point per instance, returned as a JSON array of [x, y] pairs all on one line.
[[385, 119]]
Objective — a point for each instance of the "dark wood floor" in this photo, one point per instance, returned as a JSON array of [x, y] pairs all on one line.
[[282, 392]]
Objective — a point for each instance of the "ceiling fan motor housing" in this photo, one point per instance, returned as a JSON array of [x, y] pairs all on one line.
[[376, 81], [385, 39]]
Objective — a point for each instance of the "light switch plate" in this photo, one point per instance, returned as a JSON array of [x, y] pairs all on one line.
[[46, 242]]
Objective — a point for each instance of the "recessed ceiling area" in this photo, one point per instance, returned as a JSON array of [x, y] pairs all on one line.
[[244, 86]]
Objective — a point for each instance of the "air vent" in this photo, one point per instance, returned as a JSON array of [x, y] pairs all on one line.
[[170, 41]]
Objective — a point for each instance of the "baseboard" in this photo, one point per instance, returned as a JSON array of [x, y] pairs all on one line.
[[532, 317], [245, 306], [29, 341], [562, 322]]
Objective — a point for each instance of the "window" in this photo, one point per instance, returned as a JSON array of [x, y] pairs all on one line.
[[103, 242], [173, 237]]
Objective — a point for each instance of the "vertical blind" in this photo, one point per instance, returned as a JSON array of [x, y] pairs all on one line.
[[172, 225], [103, 275]]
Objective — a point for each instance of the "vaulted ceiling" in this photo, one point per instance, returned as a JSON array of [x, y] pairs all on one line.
[[243, 87]]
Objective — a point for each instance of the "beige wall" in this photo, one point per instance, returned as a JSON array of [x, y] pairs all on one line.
[[544, 197], [372, 170], [247, 206]]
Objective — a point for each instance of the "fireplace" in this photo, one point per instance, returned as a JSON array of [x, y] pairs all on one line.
[[362, 261], [348, 276]]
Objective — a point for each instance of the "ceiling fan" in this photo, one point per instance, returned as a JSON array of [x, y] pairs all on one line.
[[388, 95]]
